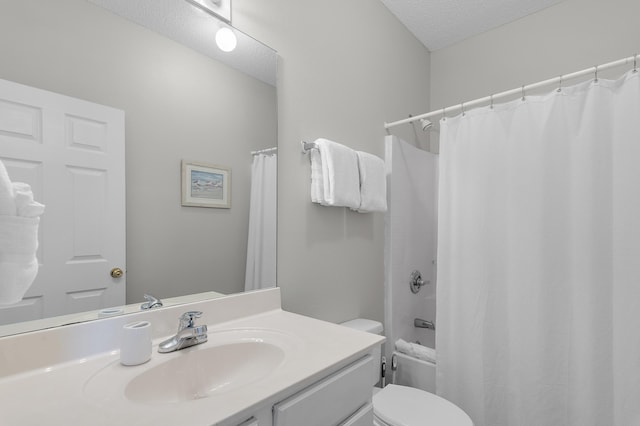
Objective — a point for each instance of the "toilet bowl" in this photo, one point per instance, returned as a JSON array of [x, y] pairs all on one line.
[[397, 405]]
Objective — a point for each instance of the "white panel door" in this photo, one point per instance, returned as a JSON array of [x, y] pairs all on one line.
[[71, 152]]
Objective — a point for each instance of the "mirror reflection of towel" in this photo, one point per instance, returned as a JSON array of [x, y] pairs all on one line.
[[18, 262], [7, 202], [19, 221]]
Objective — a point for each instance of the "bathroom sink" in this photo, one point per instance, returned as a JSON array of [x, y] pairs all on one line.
[[207, 372], [230, 360]]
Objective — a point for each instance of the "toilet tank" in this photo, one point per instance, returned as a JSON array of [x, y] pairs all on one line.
[[375, 327]]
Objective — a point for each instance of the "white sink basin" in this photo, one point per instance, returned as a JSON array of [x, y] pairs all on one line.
[[207, 372], [230, 360]]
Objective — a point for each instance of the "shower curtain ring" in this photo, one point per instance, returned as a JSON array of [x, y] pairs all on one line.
[[462, 105], [491, 101], [560, 85], [596, 77], [523, 93], [444, 114], [635, 63]]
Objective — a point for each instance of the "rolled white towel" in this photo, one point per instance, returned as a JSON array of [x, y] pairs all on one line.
[[7, 202], [415, 350]]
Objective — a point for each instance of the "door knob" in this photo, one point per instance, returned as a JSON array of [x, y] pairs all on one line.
[[116, 273]]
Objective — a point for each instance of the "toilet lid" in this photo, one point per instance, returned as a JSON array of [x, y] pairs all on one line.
[[405, 406]]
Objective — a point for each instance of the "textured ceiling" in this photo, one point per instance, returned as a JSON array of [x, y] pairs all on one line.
[[194, 28], [441, 23], [436, 23]]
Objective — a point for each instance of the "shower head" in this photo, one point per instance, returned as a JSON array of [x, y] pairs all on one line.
[[426, 124]]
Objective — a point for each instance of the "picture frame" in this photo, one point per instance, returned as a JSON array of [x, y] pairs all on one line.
[[206, 185]]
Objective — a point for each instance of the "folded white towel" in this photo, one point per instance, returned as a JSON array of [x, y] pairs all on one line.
[[373, 183], [340, 176], [317, 186], [7, 202], [415, 350], [18, 263]]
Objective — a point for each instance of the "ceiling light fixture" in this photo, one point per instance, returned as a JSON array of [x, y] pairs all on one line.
[[226, 39], [221, 9]]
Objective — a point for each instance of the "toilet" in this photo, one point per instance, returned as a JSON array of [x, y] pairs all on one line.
[[397, 405]]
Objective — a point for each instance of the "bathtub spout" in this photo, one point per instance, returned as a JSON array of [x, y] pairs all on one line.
[[420, 323]]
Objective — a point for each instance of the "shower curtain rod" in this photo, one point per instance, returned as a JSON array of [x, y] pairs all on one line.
[[520, 90], [265, 151]]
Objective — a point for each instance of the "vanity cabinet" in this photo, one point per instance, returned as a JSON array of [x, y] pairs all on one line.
[[331, 401], [261, 366], [363, 417], [343, 398]]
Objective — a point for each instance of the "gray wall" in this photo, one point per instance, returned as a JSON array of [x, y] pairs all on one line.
[[345, 68], [179, 105], [573, 35]]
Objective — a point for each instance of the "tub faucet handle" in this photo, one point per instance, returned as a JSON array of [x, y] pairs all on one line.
[[416, 282]]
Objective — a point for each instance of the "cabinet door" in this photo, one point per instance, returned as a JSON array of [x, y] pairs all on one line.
[[329, 401], [251, 422], [364, 417]]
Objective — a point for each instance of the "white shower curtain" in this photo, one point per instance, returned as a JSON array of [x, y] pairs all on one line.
[[538, 306], [261, 244]]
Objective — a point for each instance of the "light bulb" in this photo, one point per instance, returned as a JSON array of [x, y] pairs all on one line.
[[226, 39]]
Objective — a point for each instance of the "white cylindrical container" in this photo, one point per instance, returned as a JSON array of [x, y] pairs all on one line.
[[135, 347]]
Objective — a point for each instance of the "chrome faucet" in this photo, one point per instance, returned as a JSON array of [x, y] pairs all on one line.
[[420, 323], [188, 334], [151, 302]]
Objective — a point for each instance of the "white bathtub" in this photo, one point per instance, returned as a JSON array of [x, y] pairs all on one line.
[[414, 372]]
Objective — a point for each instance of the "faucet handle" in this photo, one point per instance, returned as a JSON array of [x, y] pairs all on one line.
[[151, 302], [187, 320]]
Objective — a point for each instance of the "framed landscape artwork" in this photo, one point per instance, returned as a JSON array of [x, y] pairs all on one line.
[[206, 185]]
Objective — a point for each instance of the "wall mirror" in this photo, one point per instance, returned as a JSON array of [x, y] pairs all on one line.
[[183, 100]]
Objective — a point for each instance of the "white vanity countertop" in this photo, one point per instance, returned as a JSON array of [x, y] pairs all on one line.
[[59, 395]]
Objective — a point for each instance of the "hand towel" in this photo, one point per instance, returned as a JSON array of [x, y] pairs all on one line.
[[373, 183], [415, 350], [18, 263], [340, 176], [317, 187], [7, 203]]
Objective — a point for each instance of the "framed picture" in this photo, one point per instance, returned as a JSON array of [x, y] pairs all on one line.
[[206, 185]]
